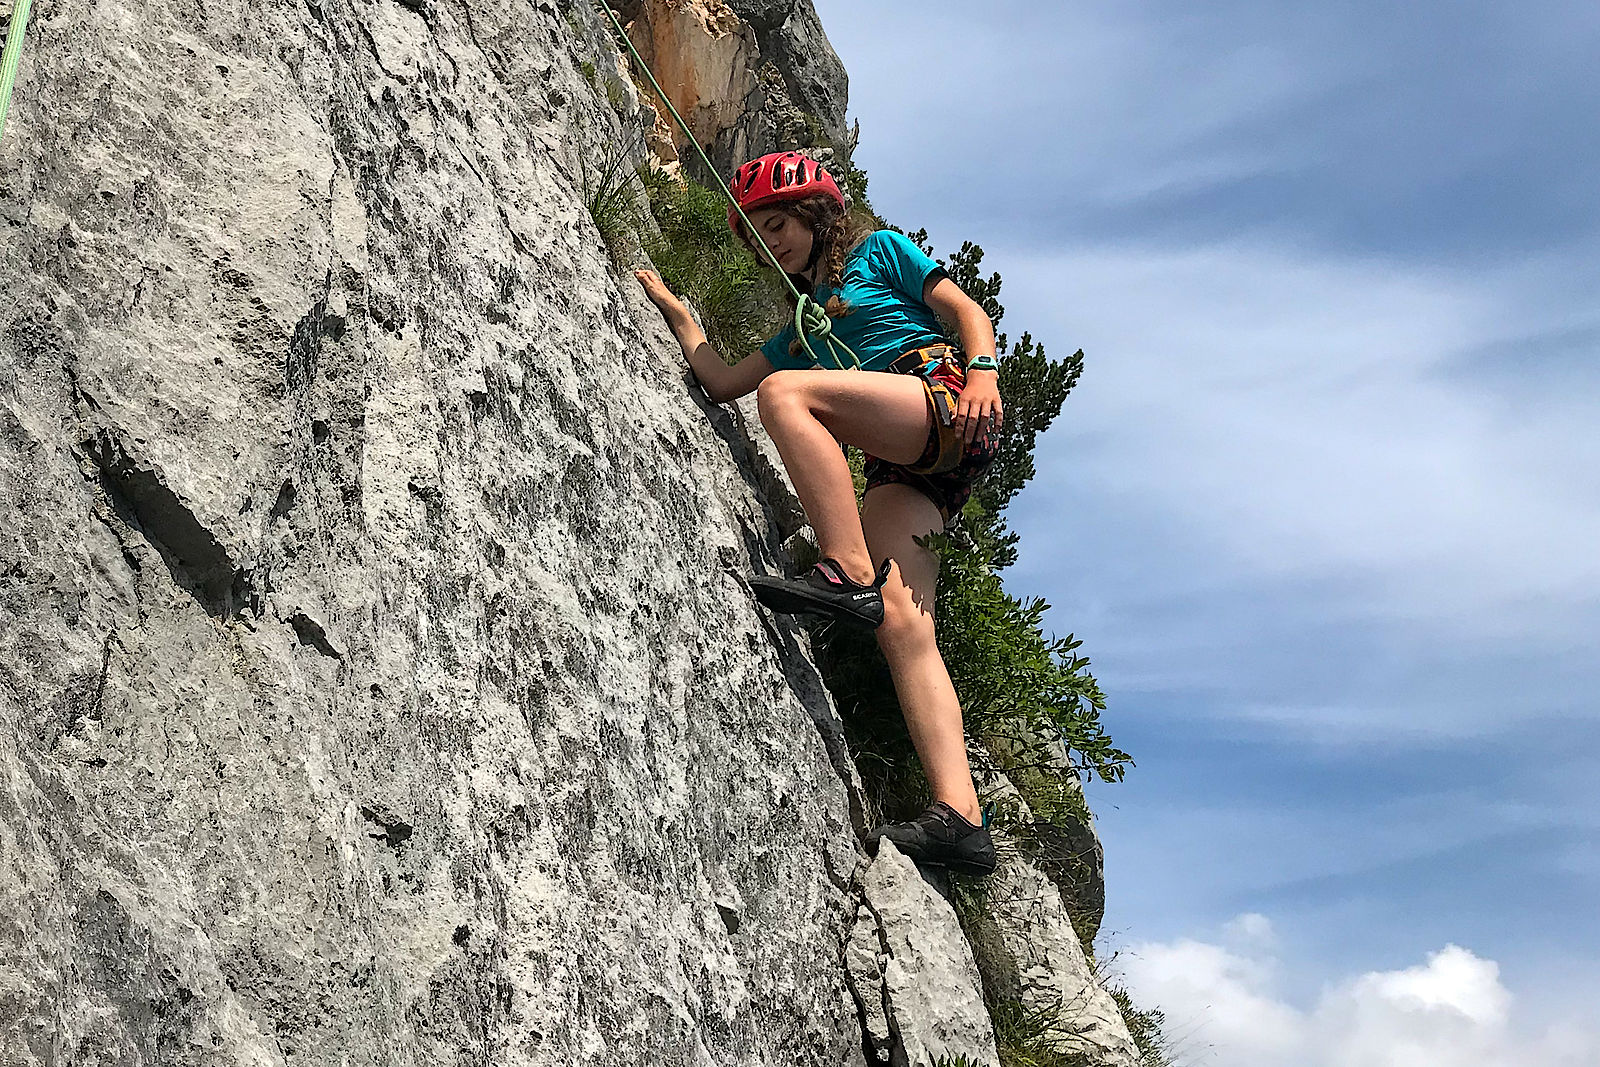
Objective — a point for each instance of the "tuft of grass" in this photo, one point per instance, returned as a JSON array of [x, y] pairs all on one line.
[[1027, 1037], [608, 194], [1147, 1029]]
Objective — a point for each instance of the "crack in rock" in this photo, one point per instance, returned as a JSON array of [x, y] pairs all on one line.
[[198, 561]]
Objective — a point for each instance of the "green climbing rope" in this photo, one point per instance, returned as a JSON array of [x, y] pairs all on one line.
[[11, 57], [810, 319]]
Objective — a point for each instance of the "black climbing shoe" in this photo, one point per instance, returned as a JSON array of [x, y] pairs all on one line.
[[825, 590], [940, 837]]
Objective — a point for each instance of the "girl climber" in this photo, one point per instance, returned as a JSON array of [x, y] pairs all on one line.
[[926, 424]]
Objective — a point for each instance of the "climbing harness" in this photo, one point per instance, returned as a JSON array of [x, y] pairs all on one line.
[[811, 321], [11, 57]]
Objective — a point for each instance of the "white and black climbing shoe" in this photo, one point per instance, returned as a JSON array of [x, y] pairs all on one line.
[[826, 591], [940, 837]]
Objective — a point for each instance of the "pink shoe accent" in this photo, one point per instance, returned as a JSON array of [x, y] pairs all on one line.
[[830, 570]]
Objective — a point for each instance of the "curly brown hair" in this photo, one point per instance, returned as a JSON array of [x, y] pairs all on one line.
[[833, 228]]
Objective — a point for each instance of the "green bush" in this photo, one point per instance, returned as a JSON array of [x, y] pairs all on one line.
[[1016, 684], [1033, 388]]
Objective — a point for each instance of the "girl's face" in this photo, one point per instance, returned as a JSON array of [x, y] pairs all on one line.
[[788, 236]]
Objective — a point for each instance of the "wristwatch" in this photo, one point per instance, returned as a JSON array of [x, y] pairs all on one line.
[[983, 363]]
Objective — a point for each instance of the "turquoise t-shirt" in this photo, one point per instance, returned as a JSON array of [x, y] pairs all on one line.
[[882, 284]]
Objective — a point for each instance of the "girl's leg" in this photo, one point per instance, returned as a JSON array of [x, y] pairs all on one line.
[[808, 413], [892, 516]]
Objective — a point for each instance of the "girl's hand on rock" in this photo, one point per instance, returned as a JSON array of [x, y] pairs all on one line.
[[657, 290]]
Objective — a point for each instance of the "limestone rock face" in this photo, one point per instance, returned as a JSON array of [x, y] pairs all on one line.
[[792, 41], [767, 467], [705, 58], [377, 683], [913, 974]]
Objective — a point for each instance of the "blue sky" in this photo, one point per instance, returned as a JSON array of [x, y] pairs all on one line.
[[1324, 508]]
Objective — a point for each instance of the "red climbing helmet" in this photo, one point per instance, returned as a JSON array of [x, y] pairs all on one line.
[[778, 177]]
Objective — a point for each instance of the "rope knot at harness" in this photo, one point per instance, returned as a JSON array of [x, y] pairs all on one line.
[[816, 320], [812, 323]]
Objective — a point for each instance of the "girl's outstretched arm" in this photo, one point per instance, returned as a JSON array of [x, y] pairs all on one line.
[[721, 382]]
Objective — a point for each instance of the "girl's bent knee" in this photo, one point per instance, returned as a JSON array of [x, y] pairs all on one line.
[[777, 391]]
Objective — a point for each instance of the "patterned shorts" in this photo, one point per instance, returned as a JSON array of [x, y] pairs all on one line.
[[948, 467]]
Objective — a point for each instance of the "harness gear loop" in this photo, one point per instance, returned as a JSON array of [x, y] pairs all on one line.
[[11, 57], [808, 315]]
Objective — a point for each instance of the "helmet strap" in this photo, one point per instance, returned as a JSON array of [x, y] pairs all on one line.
[[816, 251]]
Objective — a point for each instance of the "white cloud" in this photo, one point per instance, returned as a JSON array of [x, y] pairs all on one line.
[[1215, 999], [1251, 929], [1451, 1010], [1226, 1009]]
